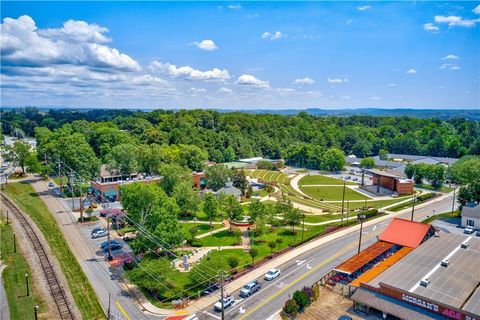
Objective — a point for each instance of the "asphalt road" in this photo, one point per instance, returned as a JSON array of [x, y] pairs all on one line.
[[308, 269]]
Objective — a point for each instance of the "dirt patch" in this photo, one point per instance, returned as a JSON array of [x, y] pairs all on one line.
[[329, 305]]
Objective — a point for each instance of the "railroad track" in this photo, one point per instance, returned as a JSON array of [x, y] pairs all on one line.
[[56, 290]]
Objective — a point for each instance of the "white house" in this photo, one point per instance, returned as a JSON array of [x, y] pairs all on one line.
[[471, 215]]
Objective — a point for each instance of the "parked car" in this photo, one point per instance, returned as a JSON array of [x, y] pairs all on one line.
[[355, 179], [344, 317], [211, 288], [469, 230], [478, 233], [99, 234], [272, 274], [348, 177], [57, 192], [113, 247], [129, 236], [2, 170], [112, 241], [51, 185], [250, 288], [94, 230], [228, 300]]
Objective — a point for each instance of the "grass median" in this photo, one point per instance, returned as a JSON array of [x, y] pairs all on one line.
[[19, 304], [28, 200]]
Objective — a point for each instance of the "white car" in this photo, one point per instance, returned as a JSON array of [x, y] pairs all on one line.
[[228, 300], [272, 274], [469, 230]]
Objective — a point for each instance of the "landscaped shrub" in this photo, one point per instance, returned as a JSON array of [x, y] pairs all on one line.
[[425, 196], [370, 213], [316, 291], [301, 298], [291, 308], [309, 292], [233, 261]]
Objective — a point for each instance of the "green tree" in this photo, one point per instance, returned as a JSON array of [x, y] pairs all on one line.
[[233, 261], [141, 200], [149, 158], [367, 163], [217, 176], [264, 165], [193, 157], [229, 154], [301, 298], [465, 170], [168, 227], [21, 152], [272, 244], [469, 193], [152, 272], [256, 209], [123, 158], [207, 268], [383, 154], [240, 180], [193, 231], [333, 160], [253, 252], [173, 174], [233, 209], [290, 308], [186, 197], [210, 207], [293, 217]]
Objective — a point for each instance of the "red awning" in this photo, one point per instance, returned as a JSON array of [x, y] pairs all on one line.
[[405, 233]]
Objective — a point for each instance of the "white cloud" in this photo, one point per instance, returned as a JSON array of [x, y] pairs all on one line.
[[477, 9], [76, 43], [188, 72], [430, 27], [305, 80], [364, 8], [450, 57], [411, 71], [450, 66], [337, 80], [275, 36], [148, 79], [375, 98], [249, 80], [236, 6], [392, 84], [207, 45], [225, 90], [346, 98], [198, 90], [454, 21]]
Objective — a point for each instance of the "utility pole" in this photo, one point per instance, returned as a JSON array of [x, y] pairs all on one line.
[[348, 208], [71, 176], [14, 243], [453, 200], [343, 200], [361, 217], [81, 202], [414, 197], [221, 294], [59, 165], [108, 241], [303, 224], [26, 283], [108, 312]]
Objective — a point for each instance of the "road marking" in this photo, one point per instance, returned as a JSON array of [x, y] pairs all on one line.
[[241, 310], [308, 266], [306, 274], [299, 262], [211, 314], [280, 284], [122, 310], [374, 228]]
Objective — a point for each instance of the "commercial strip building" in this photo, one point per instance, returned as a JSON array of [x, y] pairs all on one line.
[[415, 272]]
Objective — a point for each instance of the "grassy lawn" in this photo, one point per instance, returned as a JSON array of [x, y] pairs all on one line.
[[331, 193], [85, 298], [407, 204], [201, 227], [20, 305], [260, 193], [374, 203], [444, 189], [319, 179], [444, 215], [222, 238], [322, 218]]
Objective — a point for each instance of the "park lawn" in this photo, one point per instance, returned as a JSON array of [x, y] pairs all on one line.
[[377, 204], [201, 227], [13, 276], [222, 238], [241, 254], [260, 193], [444, 215], [321, 179], [180, 280], [332, 193], [203, 217], [445, 189], [28, 200], [322, 218]]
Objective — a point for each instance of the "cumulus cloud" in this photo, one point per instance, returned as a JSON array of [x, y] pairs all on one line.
[[188, 72], [454, 21], [477, 9], [411, 71], [236, 6], [249, 80], [450, 57], [198, 90], [225, 90], [450, 66], [148, 79], [207, 45], [76, 43], [273, 36], [430, 27], [337, 80], [305, 80], [364, 8]]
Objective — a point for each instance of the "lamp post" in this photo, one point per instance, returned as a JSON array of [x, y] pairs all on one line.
[[35, 310], [26, 283], [414, 198], [360, 218], [343, 201], [303, 224], [453, 200]]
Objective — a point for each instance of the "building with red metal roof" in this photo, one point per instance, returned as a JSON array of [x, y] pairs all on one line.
[[406, 233]]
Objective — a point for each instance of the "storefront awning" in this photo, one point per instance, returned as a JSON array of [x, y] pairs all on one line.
[[110, 193]]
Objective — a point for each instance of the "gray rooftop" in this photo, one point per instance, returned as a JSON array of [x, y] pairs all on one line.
[[453, 285], [229, 189]]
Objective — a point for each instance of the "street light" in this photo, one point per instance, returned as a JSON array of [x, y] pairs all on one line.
[[35, 309], [343, 200], [360, 218], [413, 204], [26, 283]]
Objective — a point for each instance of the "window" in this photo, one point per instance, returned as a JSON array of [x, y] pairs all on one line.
[[470, 222]]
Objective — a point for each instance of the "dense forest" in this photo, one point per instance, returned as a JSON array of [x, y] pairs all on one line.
[[300, 139]]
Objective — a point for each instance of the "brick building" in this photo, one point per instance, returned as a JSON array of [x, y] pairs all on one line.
[[391, 182]]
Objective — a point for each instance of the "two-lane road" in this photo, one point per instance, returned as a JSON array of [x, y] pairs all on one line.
[[309, 267]]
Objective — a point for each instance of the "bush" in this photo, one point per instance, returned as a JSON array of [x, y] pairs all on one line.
[[291, 308], [309, 292], [279, 240], [316, 291], [301, 298], [370, 213], [233, 261], [196, 243], [425, 196]]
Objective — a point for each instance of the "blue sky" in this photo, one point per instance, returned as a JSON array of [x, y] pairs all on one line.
[[242, 55]]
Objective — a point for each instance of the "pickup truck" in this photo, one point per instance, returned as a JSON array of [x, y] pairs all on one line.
[[250, 288]]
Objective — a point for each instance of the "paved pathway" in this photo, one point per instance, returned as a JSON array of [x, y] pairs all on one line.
[[4, 312]]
